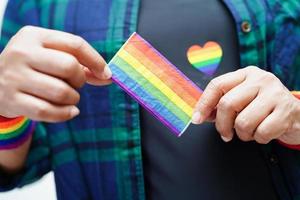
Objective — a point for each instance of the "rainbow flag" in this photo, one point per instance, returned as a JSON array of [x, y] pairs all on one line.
[[155, 83]]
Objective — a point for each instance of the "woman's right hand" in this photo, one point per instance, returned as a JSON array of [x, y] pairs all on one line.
[[41, 69]]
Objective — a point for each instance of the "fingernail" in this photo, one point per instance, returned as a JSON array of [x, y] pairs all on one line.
[[74, 111], [226, 139], [107, 73], [196, 118]]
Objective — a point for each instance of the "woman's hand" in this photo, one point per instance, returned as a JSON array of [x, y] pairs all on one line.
[[252, 102], [41, 69]]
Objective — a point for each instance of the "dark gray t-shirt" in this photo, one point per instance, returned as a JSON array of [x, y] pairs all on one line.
[[198, 165]]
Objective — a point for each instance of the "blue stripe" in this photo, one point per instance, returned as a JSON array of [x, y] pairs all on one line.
[[208, 67], [146, 99]]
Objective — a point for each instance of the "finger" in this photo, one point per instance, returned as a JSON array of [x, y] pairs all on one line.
[[48, 88], [93, 80], [79, 48], [40, 110], [229, 105], [212, 117], [59, 64], [272, 127], [249, 119], [213, 93]]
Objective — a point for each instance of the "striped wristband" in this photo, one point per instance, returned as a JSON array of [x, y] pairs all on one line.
[[14, 132], [296, 94], [294, 147]]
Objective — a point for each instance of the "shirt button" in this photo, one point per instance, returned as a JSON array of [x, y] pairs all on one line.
[[273, 159], [246, 27]]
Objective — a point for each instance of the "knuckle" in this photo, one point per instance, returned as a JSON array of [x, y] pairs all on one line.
[[41, 111], [27, 29], [69, 65], [242, 125], [76, 98], [287, 126], [204, 103], [268, 77], [215, 84], [262, 136], [61, 93], [77, 42], [245, 138], [16, 51], [252, 68], [10, 80], [226, 104]]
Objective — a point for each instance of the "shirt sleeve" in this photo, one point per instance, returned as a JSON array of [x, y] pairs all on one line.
[[38, 159]]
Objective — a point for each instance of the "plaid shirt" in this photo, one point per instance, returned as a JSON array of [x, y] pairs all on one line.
[[98, 154]]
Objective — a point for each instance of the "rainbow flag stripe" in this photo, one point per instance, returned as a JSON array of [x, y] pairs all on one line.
[[296, 94], [155, 83], [14, 132]]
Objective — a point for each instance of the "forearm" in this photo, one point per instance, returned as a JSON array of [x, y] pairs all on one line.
[[13, 160], [15, 139]]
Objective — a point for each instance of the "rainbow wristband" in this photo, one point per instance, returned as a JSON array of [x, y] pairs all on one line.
[[294, 147], [296, 94], [14, 132]]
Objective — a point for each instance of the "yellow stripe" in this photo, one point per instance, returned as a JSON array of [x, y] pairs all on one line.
[[156, 82], [13, 128], [204, 50], [296, 92], [205, 56]]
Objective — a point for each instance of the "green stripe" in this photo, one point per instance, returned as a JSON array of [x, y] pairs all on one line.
[[134, 75], [15, 133], [69, 155], [94, 135], [207, 62], [3, 41], [60, 14], [10, 26], [45, 13], [33, 5]]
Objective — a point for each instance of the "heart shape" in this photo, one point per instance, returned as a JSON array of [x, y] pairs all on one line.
[[206, 59]]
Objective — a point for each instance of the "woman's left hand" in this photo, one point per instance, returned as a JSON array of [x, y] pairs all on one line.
[[252, 102]]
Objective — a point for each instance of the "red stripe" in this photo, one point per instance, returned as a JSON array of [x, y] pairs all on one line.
[[4, 119], [10, 123], [294, 147], [139, 44], [297, 95]]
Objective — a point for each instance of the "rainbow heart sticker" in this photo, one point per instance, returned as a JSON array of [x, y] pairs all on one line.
[[206, 59]]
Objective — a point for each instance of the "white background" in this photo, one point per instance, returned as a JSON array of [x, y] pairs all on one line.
[[42, 190]]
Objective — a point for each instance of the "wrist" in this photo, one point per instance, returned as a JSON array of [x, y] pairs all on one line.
[[14, 132]]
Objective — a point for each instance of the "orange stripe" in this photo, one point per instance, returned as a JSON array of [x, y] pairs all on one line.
[[10, 123], [195, 50], [164, 69], [158, 72]]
